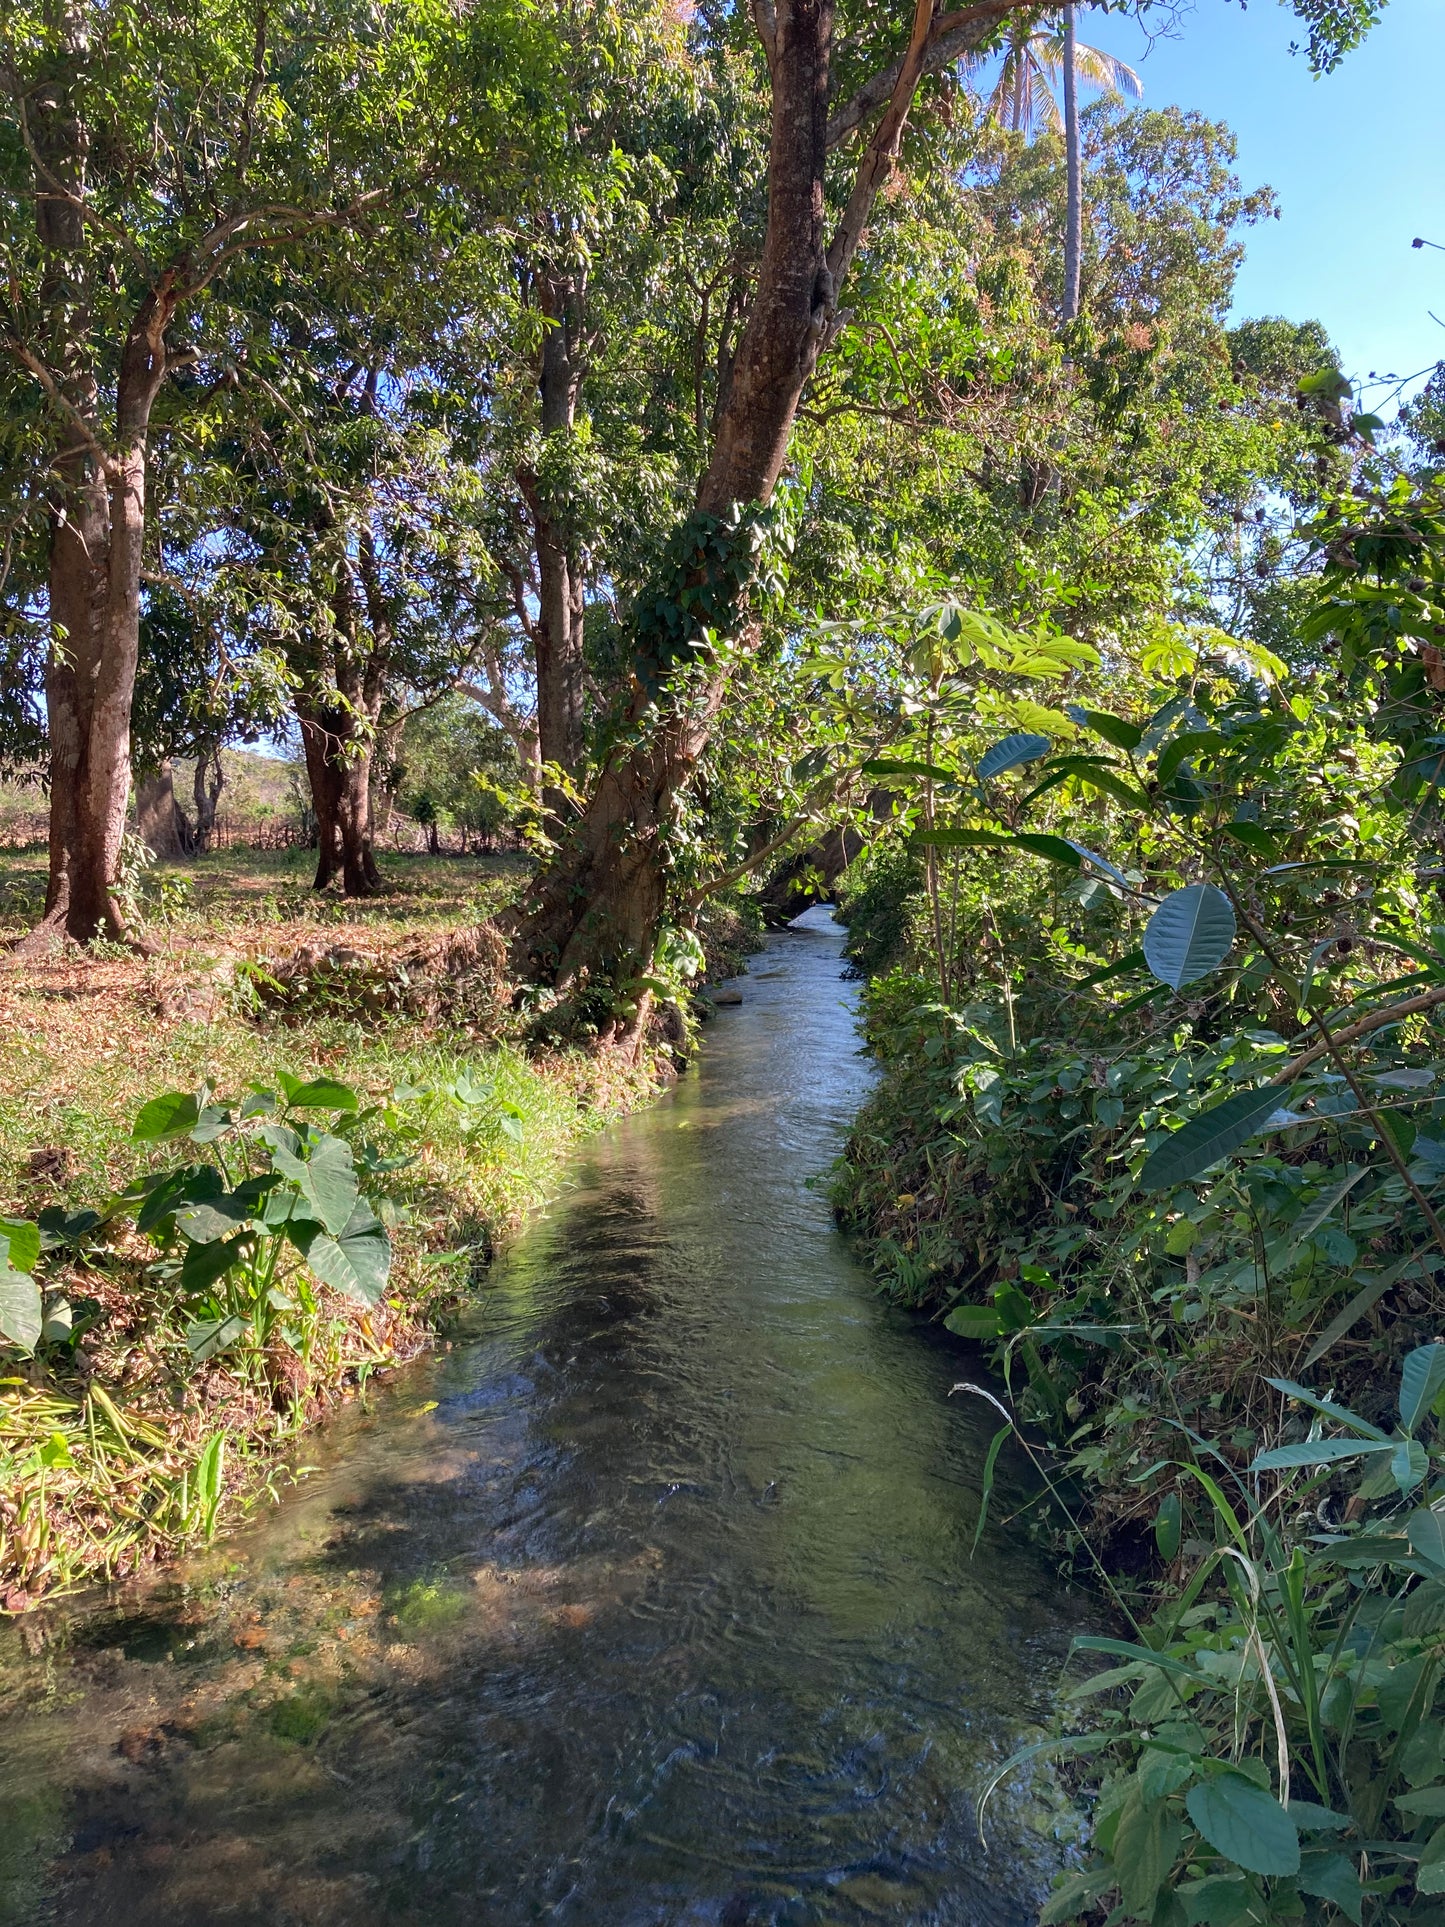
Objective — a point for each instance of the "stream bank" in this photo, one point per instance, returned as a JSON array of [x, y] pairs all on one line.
[[653, 1599]]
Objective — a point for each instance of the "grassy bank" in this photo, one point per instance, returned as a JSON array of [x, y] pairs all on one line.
[[121, 1436], [1223, 1355]]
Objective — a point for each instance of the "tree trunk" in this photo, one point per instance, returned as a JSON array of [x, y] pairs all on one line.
[[1074, 210], [209, 780], [97, 527], [557, 632], [160, 821], [600, 902]]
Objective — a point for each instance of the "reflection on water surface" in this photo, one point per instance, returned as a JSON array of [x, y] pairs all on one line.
[[650, 1603]]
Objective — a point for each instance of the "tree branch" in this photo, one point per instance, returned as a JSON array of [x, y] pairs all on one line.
[[59, 399], [951, 36]]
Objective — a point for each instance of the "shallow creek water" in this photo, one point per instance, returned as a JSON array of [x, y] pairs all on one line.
[[648, 1603]]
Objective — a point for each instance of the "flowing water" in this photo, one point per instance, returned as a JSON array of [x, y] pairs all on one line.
[[649, 1602]]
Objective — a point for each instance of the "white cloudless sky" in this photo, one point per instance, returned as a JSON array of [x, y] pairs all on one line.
[[1356, 157]]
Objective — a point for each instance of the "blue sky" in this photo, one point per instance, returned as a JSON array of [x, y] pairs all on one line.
[[1357, 159]]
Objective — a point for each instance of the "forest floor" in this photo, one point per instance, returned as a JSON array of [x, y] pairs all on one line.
[[252, 978]]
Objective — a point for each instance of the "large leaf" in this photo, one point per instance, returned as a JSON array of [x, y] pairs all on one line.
[[203, 1264], [1113, 729], [1190, 934], [323, 1094], [1209, 1136], [1146, 1840], [1425, 1530], [1037, 842], [326, 1178], [358, 1261], [173, 1114], [22, 1241], [1430, 1875], [1333, 1877], [1245, 1824], [1010, 751], [1286, 1458], [1421, 1376], [975, 1321], [20, 1315]]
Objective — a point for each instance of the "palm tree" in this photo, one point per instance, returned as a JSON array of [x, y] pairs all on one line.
[[1022, 97]]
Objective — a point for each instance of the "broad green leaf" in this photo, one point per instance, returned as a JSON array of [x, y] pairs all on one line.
[[1209, 1136], [203, 1264], [358, 1262], [1039, 843], [1317, 1452], [1430, 1874], [1245, 1824], [887, 766], [1427, 1802], [1314, 1214], [1189, 935], [1421, 1376], [1312, 1818], [1253, 836], [20, 1314], [173, 1189], [1408, 1464], [974, 1321], [1425, 1530], [1168, 1525], [1010, 751], [1333, 1877], [1113, 729], [323, 1094], [174, 1114], [1146, 1841], [327, 1178], [1108, 778], [1326, 1407], [22, 1241]]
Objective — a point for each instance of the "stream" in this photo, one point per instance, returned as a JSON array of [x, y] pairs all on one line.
[[650, 1602]]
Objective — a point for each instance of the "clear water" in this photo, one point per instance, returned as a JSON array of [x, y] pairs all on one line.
[[649, 1602]]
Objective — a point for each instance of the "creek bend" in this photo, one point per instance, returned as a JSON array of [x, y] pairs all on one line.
[[649, 1603]]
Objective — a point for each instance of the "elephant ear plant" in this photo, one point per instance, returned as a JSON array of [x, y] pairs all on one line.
[[277, 1195], [272, 1208]]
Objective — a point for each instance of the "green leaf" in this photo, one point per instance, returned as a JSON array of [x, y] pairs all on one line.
[[1010, 751], [1309, 1817], [1209, 1136], [1102, 776], [1245, 1824], [357, 1262], [323, 1094], [1113, 729], [1353, 1312], [1327, 1408], [1123, 968], [203, 1264], [1428, 1802], [1408, 1464], [326, 1178], [211, 1335], [1146, 1841], [995, 1446], [1040, 843], [1425, 1530], [1074, 1893], [1316, 1452], [1168, 1525], [174, 1114], [1421, 1376], [20, 1314], [1189, 935], [220, 1217], [1430, 1874], [22, 1241], [974, 1321], [1254, 837], [1332, 1877], [886, 766]]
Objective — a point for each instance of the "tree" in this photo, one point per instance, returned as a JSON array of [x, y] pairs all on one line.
[[145, 153], [1035, 61]]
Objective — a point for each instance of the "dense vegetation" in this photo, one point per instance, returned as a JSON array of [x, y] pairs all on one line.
[[702, 448]]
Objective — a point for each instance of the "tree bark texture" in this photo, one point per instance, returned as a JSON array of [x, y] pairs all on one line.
[[97, 525], [160, 822], [206, 786], [599, 903], [557, 634]]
